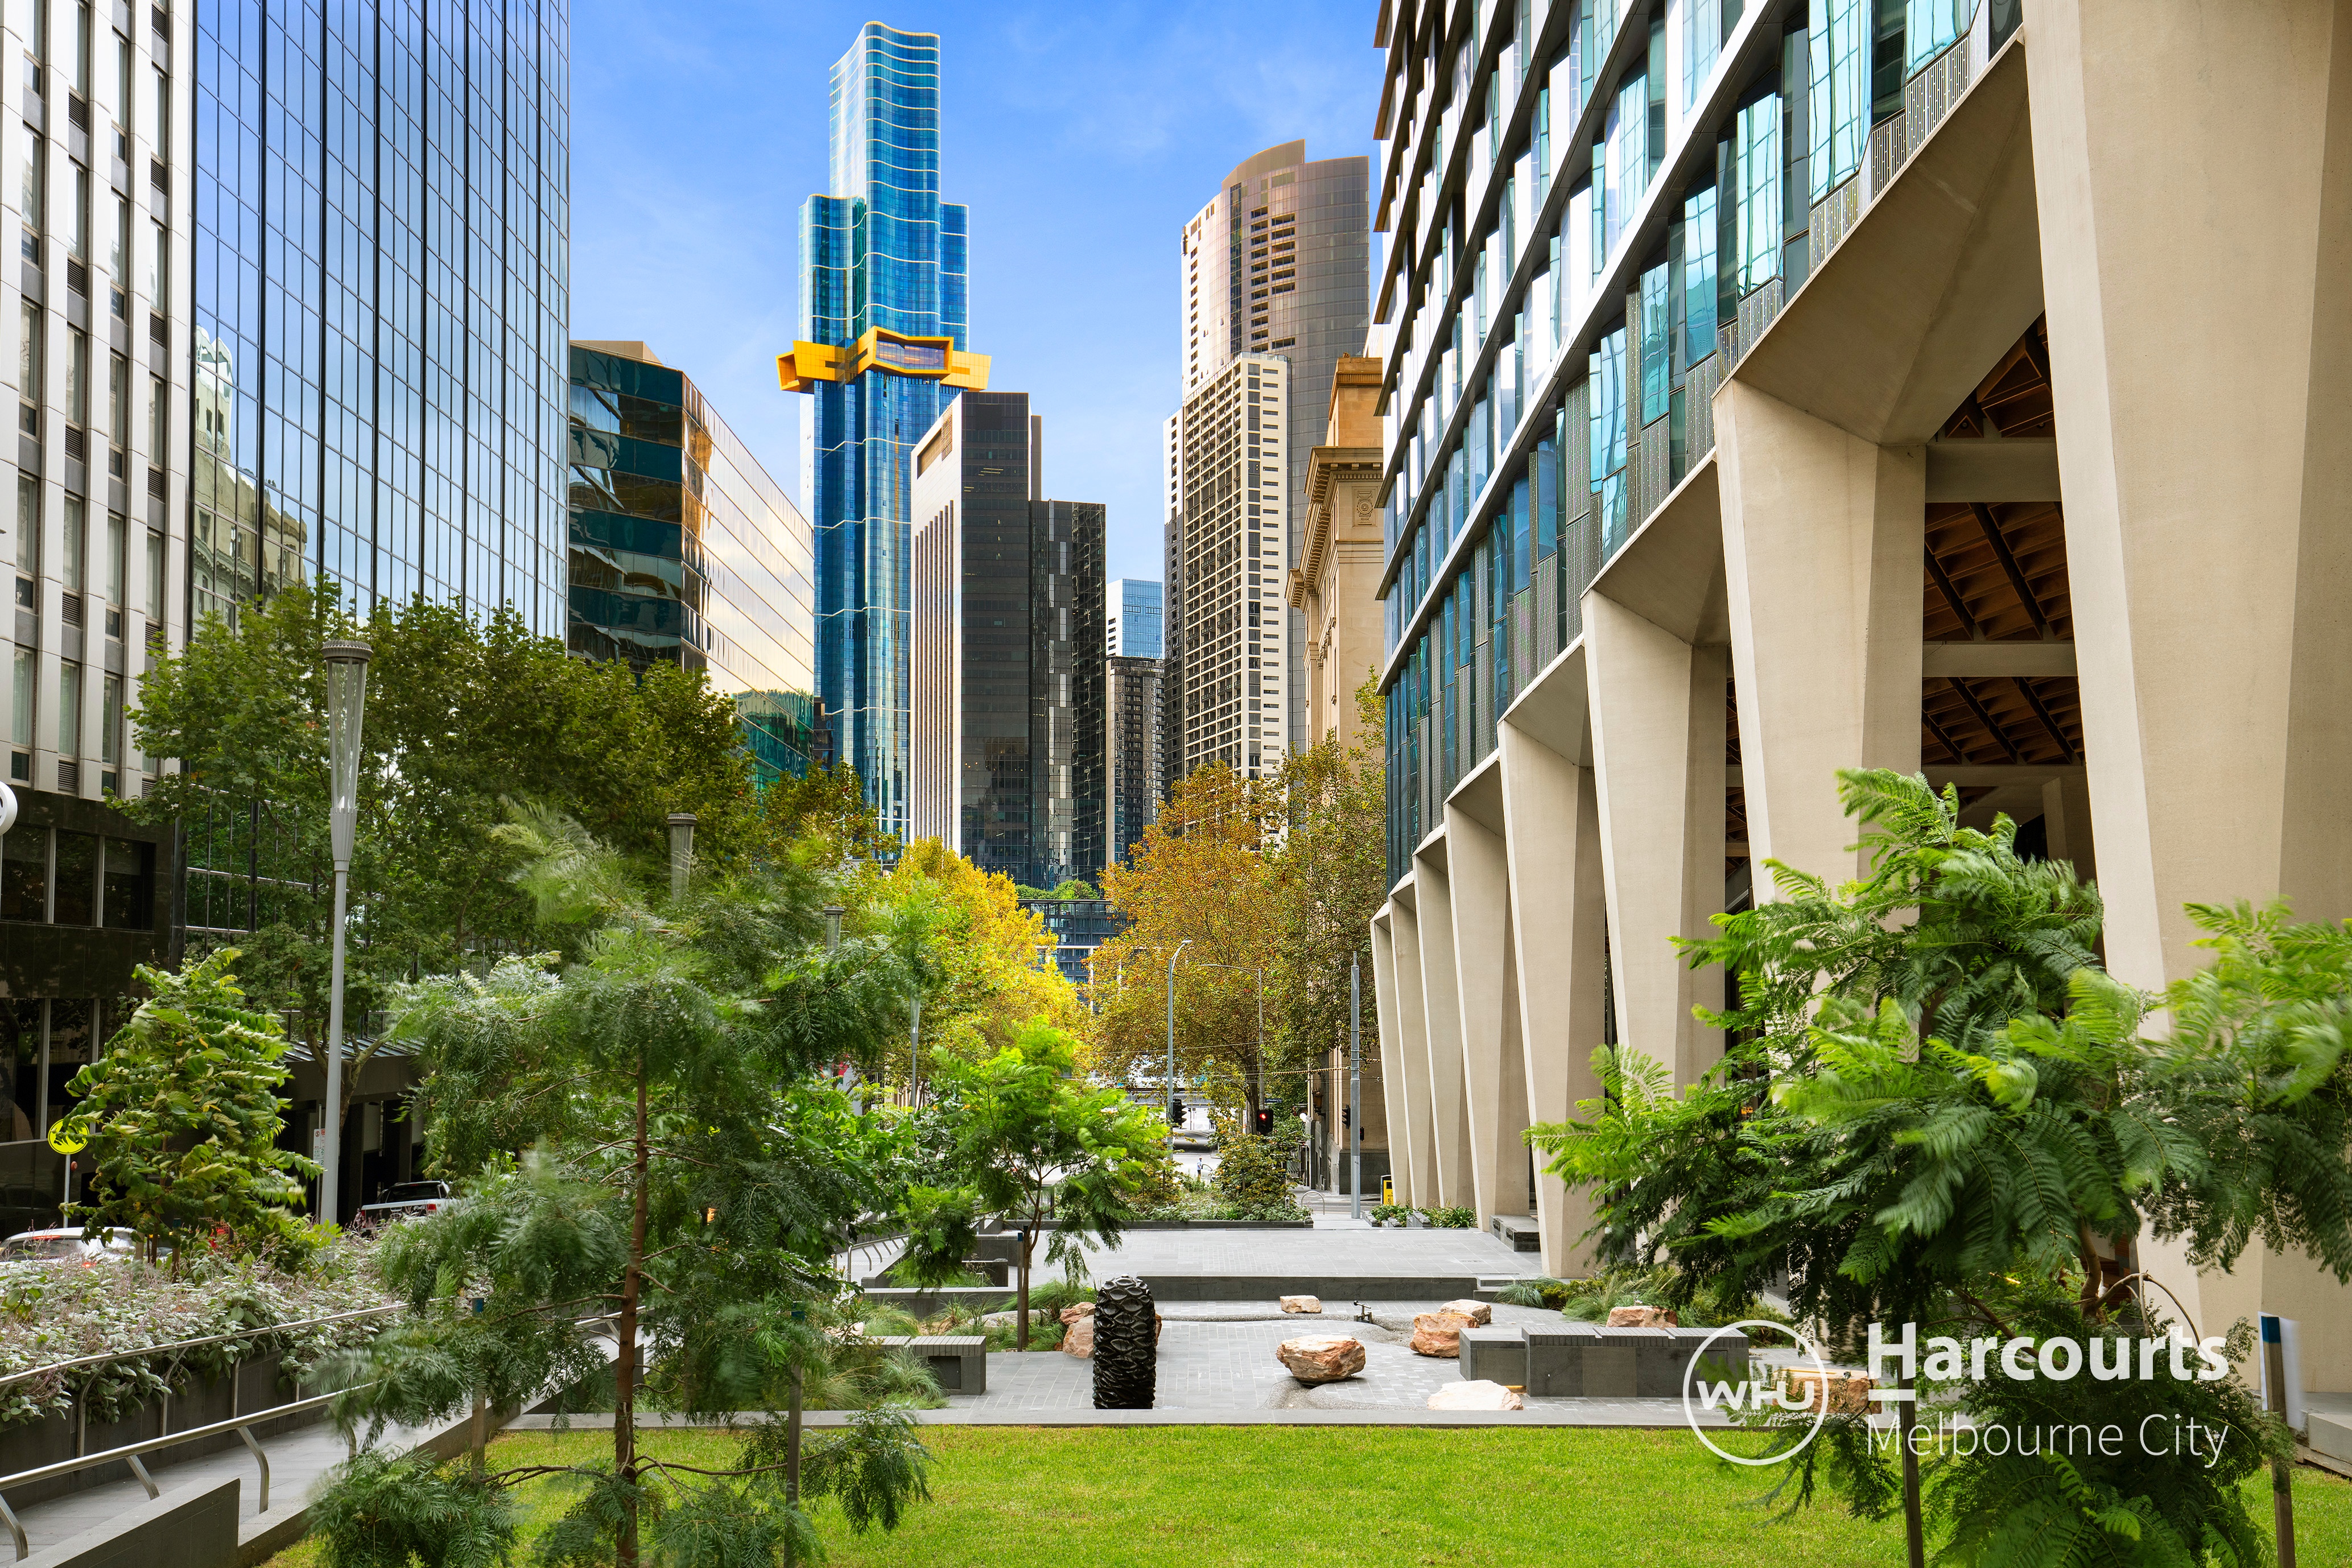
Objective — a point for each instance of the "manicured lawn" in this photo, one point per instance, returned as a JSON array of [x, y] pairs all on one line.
[[1181, 1497]]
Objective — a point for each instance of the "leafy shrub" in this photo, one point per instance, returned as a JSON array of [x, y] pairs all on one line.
[[1456, 1217], [1541, 1291], [57, 1314], [1254, 1171], [1384, 1214]]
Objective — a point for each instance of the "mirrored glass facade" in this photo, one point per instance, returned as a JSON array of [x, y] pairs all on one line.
[[878, 250], [684, 550], [380, 299]]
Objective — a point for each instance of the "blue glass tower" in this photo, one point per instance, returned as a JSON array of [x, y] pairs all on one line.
[[881, 253]]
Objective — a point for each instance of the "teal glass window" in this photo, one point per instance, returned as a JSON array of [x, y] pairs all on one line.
[[1699, 275], [1522, 557], [1756, 142], [1838, 105], [1607, 371], [1931, 26], [1657, 343], [1702, 40]]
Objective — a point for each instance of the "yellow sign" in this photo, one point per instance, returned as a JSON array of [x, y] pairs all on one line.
[[68, 1138], [931, 359], [1388, 1189]]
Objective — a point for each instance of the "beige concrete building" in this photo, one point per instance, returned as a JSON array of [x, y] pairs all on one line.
[[1966, 402], [1335, 588]]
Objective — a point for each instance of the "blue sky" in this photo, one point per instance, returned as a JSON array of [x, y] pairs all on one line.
[[1082, 136]]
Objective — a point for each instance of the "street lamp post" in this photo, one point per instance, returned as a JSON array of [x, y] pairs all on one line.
[[681, 850], [1172, 1040], [347, 662], [832, 913]]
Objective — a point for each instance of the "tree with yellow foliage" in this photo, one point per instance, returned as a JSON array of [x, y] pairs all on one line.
[[983, 963], [1201, 874]]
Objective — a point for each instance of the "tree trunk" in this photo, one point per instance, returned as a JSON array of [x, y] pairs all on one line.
[[624, 1371], [1021, 1319], [792, 1451]]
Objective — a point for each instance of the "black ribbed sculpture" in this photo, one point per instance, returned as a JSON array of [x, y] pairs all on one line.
[[1125, 1359]]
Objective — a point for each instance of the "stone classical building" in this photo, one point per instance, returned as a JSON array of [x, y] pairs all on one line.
[[1784, 394], [1335, 588]]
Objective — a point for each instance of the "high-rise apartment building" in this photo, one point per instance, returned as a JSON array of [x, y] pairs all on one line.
[[684, 550], [1131, 612], [1227, 672], [1279, 263], [1131, 713], [1008, 661], [290, 301], [1776, 390], [881, 348]]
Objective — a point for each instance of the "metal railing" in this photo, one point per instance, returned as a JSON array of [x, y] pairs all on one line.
[[242, 1424]]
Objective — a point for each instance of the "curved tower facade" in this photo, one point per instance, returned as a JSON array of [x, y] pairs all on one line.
[[882, 278]]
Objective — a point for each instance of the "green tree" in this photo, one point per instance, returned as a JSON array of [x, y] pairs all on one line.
[[1937, 1108], [183, 1115], [683, 1172], [1330, 877], [463, 716], [1034, 1145]]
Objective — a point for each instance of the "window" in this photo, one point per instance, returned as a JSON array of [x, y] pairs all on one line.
[[70, 712], [1698, 276], [118, 400], [29, 186], [1838, 109], [1757, 155], [1931, 26], [77, 220], [154, 578], [24, 875], [29, 526], [128, 902], [1657, 343], [159, 413], [73, 900], [1607, 376], [76, 542], [29, 367], [110, 720], [1702, 39], [22, 686], [76, 376], [117, 530]]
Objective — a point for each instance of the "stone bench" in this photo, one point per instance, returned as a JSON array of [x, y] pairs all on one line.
[[958, 1360], [1584, 1360], [1495, 1355]]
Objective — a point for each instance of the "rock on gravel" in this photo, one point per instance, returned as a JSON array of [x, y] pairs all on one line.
[[1322, 1359]]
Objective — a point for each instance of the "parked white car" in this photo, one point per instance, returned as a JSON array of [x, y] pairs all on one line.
[[405, 1200], [66, 1244]]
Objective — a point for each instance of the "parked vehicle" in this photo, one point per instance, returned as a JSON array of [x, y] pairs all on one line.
[[66, 1244], [405, 1200]]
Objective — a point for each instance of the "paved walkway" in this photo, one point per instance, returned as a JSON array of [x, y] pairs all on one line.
[[1338, 1247]]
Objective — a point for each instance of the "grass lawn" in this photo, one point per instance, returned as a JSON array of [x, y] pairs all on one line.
[[1250, 1496]]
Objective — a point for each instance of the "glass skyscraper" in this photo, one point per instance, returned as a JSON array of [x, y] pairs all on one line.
[[882, 268], [381, 296]]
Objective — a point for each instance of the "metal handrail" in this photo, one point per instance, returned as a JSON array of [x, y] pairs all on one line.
[[129, 1452], [193, 1344]]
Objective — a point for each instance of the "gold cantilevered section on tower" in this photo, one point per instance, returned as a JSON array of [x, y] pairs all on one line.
[[932, 358]]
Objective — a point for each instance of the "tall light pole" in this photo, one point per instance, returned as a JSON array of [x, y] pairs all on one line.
[[681, 851], [915, 1057], [1356, 1088], [832, 913], [347, 663], [1172, 1040]]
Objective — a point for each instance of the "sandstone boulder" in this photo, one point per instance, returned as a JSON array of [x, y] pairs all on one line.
[[1479, 1313], [1438, 1333], [1071, 1315], [1848, 1392], [1480, 1395], [1323, 1359], [1641, 1318], [1302, 1303], [1079, 1338]]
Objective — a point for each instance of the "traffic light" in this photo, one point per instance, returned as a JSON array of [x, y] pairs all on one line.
[[1175, 1113], [1265, 1121]]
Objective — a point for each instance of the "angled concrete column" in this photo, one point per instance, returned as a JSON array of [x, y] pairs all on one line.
[[1416, 1154], [1389, 1062], [2201, 362], [1493, 1083], [1658, 742], [2066, 814], [1558, 919], [1822, 539], [1449, 1116]]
